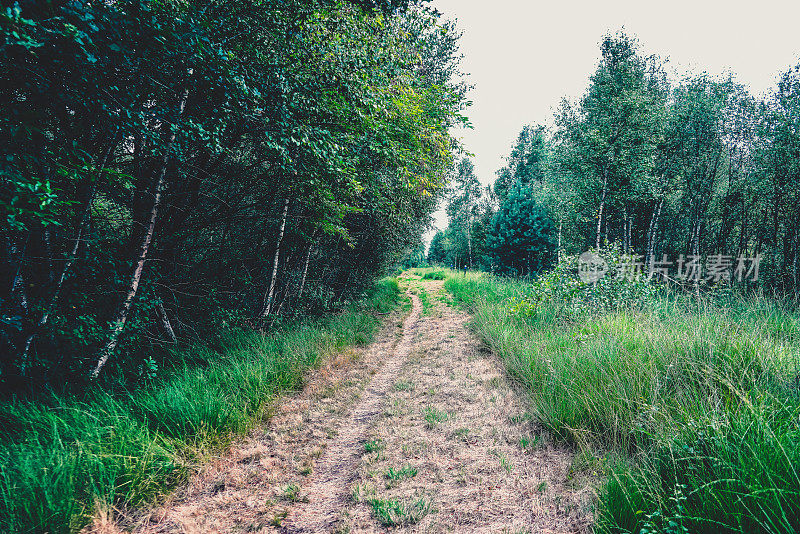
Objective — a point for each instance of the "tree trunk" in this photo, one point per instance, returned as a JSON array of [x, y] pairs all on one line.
[[18, 292], [305, 272], [558, 246], [629, 231], [86, 210], [743, 233], [18, 282], [268, 298], [758, 231], [118, 324], [696, 250], [469, 245], [165, 324], [652, 230], [696, 236], [601, 209], [625, 229]]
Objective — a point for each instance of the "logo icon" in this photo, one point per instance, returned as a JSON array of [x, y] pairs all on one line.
[[591, 267]]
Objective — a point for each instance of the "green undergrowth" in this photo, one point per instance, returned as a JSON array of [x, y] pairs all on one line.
[[431, 273], [424, 298], [692, 407], [394, 512], [62, 458]]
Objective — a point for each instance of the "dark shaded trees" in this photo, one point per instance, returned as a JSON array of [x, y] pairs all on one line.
[[173, 167], [521, 239]]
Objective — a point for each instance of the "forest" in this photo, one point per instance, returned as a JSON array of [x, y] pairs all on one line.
[[171, 169], [219, 312], [659, 168], [197, 202]]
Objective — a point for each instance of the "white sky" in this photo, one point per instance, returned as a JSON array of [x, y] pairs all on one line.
[[524, 56]]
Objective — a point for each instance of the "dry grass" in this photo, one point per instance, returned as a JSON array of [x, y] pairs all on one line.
[[245, 488], [461, 429]]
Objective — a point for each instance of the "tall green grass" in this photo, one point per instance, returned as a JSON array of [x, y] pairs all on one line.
[[61, 457], [693, 405], [431, 273]]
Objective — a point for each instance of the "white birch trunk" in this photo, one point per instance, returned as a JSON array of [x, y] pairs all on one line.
[[118, 324], [305, 272], [69, 261], [601, 209], [269, 297]]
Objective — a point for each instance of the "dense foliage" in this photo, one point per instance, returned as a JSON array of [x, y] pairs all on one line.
[[696, 167], [173, 167], [520, 239]]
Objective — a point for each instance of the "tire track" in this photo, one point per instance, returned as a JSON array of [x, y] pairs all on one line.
[[328, 491]]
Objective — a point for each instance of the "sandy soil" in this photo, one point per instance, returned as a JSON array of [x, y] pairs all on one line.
[[419, 432]]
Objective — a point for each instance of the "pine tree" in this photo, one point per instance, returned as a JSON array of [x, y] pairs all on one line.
[[521, 239]]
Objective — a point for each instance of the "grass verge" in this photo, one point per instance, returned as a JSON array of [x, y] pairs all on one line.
[[431, 273], [62, 458], [693, 407]]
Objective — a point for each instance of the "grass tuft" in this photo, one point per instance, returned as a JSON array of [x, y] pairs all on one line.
[[404, 385], [396, 475], [375, 445], [393, 512], [434, 416], [291, 493]]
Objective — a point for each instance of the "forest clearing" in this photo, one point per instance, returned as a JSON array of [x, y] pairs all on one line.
[[399, 265]]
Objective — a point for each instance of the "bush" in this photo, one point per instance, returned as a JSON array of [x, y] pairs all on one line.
[[563, 286], [434, 275]]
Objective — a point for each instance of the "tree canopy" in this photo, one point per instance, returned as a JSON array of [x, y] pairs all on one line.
[[170, 167], [690, 168]]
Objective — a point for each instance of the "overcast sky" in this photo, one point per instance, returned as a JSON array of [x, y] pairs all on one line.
[[524, 56]]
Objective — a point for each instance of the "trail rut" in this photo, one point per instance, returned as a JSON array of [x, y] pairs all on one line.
[[329, 489]]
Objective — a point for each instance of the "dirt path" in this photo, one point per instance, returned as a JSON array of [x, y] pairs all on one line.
[[420, 432], [328, 492]]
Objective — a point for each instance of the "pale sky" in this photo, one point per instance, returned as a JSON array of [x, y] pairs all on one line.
[[524, 56]]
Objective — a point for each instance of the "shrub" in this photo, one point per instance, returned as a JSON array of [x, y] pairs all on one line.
[[563, 286], [434, 275]]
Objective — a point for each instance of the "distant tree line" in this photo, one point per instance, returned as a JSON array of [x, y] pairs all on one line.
[[170, 168], [697, 167]]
